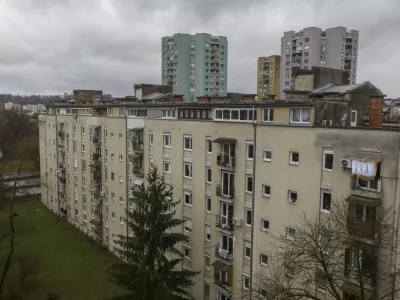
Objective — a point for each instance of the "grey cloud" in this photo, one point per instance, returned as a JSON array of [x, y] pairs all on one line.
[[52, 46]]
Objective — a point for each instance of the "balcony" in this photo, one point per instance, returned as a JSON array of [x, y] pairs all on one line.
[[61, 134], [366, 188], [225, 193], [225, 161], [63, 180], [137, 145], [96, 158], [225, 224], [96, 177], [98, 216], [222, 283], [138, 171], [224, 256], [96, 140]]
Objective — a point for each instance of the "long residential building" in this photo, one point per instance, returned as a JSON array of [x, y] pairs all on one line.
[[335, 48], [243, 170], [195, 65], [268, 77]]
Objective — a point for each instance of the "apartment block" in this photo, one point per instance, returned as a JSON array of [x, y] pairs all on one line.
[[195, 65], [335, 48], [268, 77], [243, 170]]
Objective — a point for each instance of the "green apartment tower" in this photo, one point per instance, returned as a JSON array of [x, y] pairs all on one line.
[[195, 65]]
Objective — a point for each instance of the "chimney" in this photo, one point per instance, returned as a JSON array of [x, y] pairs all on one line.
[[376, 111]]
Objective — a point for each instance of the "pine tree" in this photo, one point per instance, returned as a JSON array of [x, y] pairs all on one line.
[[151, 264]]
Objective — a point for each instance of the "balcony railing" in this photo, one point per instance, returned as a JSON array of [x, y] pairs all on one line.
[[371, 188], [96, 158], [222, 283], [63, 180], [96, 140], [98, 216], [225, 161], [97, 177], [227, 193], [364, 229], [224, 223], [225, 256], [137, 145]]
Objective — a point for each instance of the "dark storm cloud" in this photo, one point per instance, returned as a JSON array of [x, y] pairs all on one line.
[[52, 46]]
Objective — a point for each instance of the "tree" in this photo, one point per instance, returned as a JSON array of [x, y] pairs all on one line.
[[347, 252], [151, 259]]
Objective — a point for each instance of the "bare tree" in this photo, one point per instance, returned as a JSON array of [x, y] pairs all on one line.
[[347, 252]]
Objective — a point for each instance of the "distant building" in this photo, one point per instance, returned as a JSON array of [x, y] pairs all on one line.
[[268, 77], [195, 65], [335, 48], [86, 96]]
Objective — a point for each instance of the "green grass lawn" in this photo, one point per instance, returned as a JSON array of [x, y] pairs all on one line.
[[71, 265]]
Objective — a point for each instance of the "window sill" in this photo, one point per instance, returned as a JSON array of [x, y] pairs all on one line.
[[266, 196], [265, 230], [189, 150], [251, 159], [167, 172], [290, 202], [247, 225], [328, 170], [267, 160], [293, 163], [209, 153], [325, 211], [169, 147], [208, 182], [249, 193], [190, 205]]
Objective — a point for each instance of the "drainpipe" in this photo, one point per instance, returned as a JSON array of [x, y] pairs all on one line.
[[127, 173], [253, 197]]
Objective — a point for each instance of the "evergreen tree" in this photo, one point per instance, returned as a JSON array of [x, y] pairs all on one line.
[[151, 264]]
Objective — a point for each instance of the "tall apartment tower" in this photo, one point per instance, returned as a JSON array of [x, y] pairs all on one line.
[[268, 78], [335, 48], [195, 65]]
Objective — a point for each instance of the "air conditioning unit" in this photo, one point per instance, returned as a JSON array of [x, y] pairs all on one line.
[[345, 163], [238, 221]]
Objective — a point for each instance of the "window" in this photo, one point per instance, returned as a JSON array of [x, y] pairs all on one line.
[[249, 184], [151, 163], [268, 115], [120, 179], [187, 252], [306, 40], [113, 215], [120, 135], [247, 250], [105, 133], [294, 158], [82, 130], [121, 200], [73, 129], [209, 145], [151, 136], [246, 282], [112, 175], [112, 155], [263, 259], [248, 217], [353, 122], [267, 155], [249, 150], [187, 170], [187, 143], [300, 115], [83, 181], [208, 175], [120, 157], [207, 261], [121, 112], [113, 195], [83, 165], [83, 147], [264, 225], [208, 233], [208, 204], [206, 291], [167, 140], [188, 197], [326, 198], [188, 226], [327, 160], [290, 233], [266, 190], [167, 167], [121, 220], [292, 197]]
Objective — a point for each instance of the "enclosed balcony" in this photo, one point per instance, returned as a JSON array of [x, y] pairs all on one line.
[[225, 192], [96, 140], [223, 276], [61, 134], [362, 217], [226, 157], [96, 159], [366, 180], [138, 171], [137, 144], [224, 224], [224, 255]]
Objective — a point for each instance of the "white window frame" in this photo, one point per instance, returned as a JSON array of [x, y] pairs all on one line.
[[112, 155], [263, 191], [353, 123], [113, 216], [189, 167], [290, 236], [208, 198], [209, 259], [247, 184], [120, 157], [301, 116], [207, 231], [261, 261], [265, 151], [264, 222], [83, 147], [289, 200], [151, 138], [324, 154], [167, 138], [291, 161], [188, 193], [246, 282], [248, 145], [189, 138], [121, 220], [247, 245], [322, 200], [169, 164], [208, 142], [187, 225], [189, 251], [268, 115], [208, 171], [247, 210]]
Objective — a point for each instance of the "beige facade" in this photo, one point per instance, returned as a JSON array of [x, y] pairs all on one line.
[[220, 162], [268, 77]]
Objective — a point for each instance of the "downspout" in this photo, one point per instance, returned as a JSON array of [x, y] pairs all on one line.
[[127, 173], [58, 181], [253, 197]]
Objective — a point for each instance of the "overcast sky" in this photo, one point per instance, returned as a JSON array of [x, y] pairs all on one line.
[[53, 46]]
